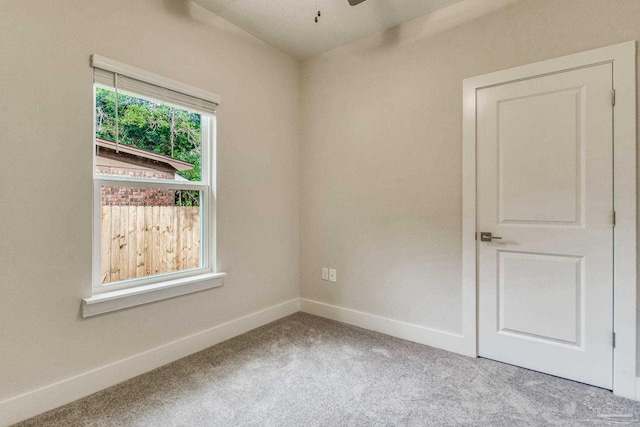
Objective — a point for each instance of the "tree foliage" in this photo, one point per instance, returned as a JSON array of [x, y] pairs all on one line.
[[155, 127], [151, 126]]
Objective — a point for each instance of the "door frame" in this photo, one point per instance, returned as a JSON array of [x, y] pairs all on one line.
[[623, 58]]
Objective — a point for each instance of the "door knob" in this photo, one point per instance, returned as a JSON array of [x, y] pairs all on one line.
[[487, 237]]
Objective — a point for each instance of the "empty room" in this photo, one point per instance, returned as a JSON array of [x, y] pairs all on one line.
[[319, 213]]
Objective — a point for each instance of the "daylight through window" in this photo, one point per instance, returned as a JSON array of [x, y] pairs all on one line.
[[153, 192]]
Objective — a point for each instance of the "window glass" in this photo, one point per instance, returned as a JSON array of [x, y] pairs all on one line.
[[148, 231], [152, 191], [155, 140]]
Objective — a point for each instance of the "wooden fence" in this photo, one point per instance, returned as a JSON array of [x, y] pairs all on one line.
[[139, 241]]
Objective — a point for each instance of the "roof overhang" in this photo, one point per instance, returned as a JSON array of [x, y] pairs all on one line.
[[178, 165]]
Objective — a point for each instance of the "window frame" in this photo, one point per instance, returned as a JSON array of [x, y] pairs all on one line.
[[105, 297]]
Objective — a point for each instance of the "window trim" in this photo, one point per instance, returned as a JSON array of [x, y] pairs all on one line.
[[131, 292], [130, 297]]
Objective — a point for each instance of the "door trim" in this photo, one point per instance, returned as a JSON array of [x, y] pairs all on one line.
[[623, 58]]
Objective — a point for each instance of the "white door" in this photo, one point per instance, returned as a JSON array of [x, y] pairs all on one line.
[[545, 186]]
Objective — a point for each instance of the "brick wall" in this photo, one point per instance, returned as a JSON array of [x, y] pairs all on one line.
[[132, 196]]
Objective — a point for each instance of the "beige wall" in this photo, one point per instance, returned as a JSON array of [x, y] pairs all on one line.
[[381, 149], [45, 209], [375, 183]]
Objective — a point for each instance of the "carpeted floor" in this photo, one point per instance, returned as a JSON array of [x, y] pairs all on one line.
[[307, 371]]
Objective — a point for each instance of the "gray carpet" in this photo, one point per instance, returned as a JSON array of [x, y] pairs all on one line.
[[307, 371]]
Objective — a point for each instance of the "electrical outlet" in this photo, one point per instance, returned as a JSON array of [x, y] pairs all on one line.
[[333, 275], [325, 273]]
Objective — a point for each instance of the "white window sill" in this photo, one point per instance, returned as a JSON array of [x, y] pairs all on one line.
[[130, 297]]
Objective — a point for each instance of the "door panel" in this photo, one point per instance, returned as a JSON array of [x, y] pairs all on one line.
[[540, 158], [539, 296], [545, 184]]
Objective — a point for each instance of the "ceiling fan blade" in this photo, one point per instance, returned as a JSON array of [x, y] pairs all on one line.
[[355, 2]]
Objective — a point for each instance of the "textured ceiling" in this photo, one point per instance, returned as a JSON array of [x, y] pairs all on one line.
[[289, 24]]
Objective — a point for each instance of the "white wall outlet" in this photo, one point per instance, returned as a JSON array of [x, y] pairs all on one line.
[[333, 275], [325, 273]]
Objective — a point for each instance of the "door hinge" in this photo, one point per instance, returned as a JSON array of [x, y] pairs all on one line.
[[614, 340], [613, 97], [614, 218]]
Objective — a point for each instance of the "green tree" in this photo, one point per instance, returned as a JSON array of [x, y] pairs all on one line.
[[151, 126]]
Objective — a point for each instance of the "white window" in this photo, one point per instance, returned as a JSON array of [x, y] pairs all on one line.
[[154, 188]]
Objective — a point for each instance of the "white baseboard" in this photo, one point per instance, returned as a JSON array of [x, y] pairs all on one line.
[[35, 402], [408, 331]]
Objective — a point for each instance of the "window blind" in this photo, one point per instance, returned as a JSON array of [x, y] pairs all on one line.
[[127, 81]]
